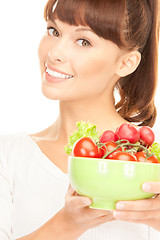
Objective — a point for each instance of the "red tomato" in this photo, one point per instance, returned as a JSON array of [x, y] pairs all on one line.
[[147, 136], [128, 132], [100, 153], [107, 136], [116, 134], [124, 156], [141, 157], [85, 147], [111, 156], [109, 146]]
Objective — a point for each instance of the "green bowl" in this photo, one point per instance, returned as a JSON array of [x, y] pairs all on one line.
[[108, 181]]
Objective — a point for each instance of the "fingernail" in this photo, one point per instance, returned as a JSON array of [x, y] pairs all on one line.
[[146, 187], [120, 206]]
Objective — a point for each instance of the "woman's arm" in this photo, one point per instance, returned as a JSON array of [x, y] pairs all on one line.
[[56, 228], [71, 221]]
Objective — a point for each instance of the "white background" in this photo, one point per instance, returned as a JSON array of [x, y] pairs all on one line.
[[22, 105]]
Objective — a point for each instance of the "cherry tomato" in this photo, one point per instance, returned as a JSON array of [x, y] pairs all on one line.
[[128, 132], [100, 153], [109, 146], [85, 147], [116, 133], [147, 136], [124, 156], [141, 157], [111, 156], [107, 136]]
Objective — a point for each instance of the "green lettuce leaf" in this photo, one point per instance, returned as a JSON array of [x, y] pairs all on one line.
[[155, 149], [85, 129]]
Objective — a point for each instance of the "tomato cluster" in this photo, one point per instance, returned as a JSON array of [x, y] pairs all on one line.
[[127, 143]]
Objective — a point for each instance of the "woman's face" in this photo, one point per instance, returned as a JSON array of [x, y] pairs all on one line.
[[76, 63]]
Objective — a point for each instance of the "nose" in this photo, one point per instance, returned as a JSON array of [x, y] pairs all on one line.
[[58, 52]]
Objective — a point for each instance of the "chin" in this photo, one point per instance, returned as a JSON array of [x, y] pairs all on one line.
[[50, 95], [55, 92], [56, 95], [64, 93]]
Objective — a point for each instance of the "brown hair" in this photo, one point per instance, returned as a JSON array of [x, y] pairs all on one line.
[[132, 25]]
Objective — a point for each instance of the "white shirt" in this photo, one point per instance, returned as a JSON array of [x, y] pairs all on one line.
[[32, 191]]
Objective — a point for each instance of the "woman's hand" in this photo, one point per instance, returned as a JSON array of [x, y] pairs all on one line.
[[145, 211], [72, 220], [77, 212]]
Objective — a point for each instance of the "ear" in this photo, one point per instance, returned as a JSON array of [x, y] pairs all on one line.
[[128, 63]]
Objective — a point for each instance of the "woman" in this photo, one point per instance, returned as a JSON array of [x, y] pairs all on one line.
[[90, 49]]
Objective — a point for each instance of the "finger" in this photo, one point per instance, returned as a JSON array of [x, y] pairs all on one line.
[[71, 192], [139, 205], [95, 213], [71, 189], [104, 219], [144, 221], [151, 187], [75, 194], [101, 220], [80, 201], [137, 215]]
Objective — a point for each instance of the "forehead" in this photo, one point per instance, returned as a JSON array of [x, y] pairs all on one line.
[[67, 12], [58, 23]]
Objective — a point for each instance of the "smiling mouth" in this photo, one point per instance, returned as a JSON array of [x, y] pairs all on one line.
[[57, 74]]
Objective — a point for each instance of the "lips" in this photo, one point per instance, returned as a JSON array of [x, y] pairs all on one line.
[[53, 75], [57, 73]]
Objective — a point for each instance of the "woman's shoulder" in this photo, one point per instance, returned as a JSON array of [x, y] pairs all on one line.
[[9, 140], [10, 144]]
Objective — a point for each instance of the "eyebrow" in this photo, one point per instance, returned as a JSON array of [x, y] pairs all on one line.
[[78, 29], [83, 29], [53, 22]]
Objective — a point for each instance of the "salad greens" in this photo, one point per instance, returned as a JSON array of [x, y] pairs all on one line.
[[85, 129], [155, 149]]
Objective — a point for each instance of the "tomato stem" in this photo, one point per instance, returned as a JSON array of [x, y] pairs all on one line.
[[123, 143], [108, 153], [127, 144]]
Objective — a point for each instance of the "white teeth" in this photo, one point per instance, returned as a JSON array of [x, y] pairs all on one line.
[[56, 74]]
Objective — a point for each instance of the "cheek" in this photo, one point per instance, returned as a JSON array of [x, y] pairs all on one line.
[[99, 68], [43, 50]]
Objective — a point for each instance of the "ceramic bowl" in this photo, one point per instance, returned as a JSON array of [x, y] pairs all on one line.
[[108, 181]]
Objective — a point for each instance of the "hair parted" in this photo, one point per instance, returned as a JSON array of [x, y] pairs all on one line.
[[132, 25]]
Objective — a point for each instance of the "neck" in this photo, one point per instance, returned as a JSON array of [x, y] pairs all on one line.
[[100, 112]]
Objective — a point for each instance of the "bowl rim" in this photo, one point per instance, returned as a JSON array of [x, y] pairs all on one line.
[[114, 160]]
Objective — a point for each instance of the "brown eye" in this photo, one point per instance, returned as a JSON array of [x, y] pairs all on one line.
[[84, 43], [53, 32]]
